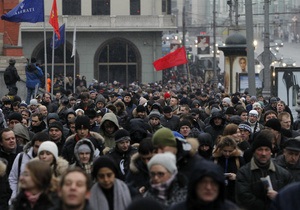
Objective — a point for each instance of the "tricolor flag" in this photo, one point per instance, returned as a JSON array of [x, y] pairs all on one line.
[[31, 11], [53, 20], [176, 58]]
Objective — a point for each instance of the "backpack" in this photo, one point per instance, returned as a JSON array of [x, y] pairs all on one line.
[[8, 77]]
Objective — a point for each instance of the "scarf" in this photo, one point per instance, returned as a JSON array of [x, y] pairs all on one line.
[[121, 196], [32, 198], [162, 188], [87, 167]]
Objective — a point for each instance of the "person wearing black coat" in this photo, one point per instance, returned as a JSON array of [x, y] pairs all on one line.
[[216, 125], [206, 189]]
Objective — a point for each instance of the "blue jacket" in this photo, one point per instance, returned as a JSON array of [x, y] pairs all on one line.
[[33, 75]]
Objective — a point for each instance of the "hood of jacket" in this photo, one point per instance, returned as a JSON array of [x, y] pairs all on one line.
[[52, 116], [136, 164], [21, 131], [89, 144], [205, 169], [31, 67], [2, 167], [110, 117], [217, 114]]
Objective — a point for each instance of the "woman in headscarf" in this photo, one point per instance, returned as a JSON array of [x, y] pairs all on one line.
[[109, 192]]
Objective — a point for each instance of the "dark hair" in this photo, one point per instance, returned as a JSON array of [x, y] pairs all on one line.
[[40, 136], [28, 112], [39, 115], [76, 169], [3, 131], [36, 168], [146, 146]]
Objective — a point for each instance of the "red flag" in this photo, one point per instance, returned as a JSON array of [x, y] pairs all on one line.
[[176, 58], [53, 20]]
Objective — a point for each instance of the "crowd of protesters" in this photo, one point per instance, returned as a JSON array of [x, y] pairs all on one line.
[[111, 147]]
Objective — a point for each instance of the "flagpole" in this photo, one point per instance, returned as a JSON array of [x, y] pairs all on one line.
[[45, 50], [52, 71], [74, 55], [65, 59]]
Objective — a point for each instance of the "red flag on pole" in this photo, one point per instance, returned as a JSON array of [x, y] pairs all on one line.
[[53, 20], [176, 58]]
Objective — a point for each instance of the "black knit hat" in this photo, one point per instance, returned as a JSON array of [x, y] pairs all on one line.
[[274, 124], [104, 162], [185, 123], [15, 116], [82, 122], [56, 124], [121, 135], [261, 142], [140, 108]]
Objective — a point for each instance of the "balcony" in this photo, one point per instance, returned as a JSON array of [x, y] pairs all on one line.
[[109, 23]]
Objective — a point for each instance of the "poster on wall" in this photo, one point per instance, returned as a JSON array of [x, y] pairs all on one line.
[[239, 65], [287, 81], [243, 82], [203, 46]]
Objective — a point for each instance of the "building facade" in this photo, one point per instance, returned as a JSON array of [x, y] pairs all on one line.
[[116, 40]]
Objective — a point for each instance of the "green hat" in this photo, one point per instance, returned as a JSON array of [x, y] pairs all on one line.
[[164, 137]]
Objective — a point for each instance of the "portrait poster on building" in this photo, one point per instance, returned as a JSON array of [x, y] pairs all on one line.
[[287, 82], [203, 46], [243, 83], [234, 65]]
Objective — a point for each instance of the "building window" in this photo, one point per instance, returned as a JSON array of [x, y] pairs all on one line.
[[71, 7], [135, 7], [101, 7], [166, 7], [118, 61]]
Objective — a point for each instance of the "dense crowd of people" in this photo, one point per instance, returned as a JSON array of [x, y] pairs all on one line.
[[111, 147]]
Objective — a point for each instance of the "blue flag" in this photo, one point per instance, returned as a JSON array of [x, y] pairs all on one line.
[[58, 42], [31, 11]]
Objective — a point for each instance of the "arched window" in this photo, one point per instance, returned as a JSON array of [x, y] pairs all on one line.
[[135, 7], [118, 60], [100, 7], [71, 7]]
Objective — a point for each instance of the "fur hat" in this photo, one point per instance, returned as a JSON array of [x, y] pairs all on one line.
[[164, 137], [261, 142], [50, 147], [167, 160], [167, 109], [140, 108], [82, 122]]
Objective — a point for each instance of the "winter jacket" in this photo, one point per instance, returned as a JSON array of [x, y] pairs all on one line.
[[138, 175], [176, 192], [122, 160], [68, 149], [171, 123], [293, 169], [193, 202], [138, 129], [18, 167], [13, 75], [234, 163], [215, 130], [33, 75], [109, 138], [250, 191], [59, 206], [44, 202]]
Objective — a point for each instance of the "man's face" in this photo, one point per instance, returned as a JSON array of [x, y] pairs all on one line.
[[93, 96], [262, 154], [173, 102], [141, 114], [84, 157], [280, 107], [285, 122], [58, 96], [109, 127], [25, 115], [8, 142], [185, 130], [71, 117], [12, 123], [271, 116], [43, 111], [252, 118], [244, 134], [123, 145], [47, 98], [217, 121], [106, 178], [207, 189], [21, 108], [168, 115], [82, 133], [35, 121], [127, 99], [55, 134], [154, 121], [146, 158], [100, 105], [36, 146], [244, 116], [291, 156], [74, 191]]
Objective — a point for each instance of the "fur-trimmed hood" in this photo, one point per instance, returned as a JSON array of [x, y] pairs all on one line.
[[89, 144], [133, 163], [236, 153], [61, 168], [194, 144], [95, 135]]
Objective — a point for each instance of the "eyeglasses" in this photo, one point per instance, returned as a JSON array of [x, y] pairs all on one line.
[[158, 174]]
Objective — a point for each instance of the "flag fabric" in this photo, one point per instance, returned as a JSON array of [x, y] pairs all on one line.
[[176, 58], [53, 20], [31, 11], [58, 42], [74, 42]]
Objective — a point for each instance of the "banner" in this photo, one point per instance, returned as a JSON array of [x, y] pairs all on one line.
[[53, 20], [31, 11], [176, 58], [74, 42], [58, 42]]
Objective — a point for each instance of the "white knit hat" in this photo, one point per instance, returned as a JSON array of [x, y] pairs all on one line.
[[50, 147], [167, 160], [226, 100]]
